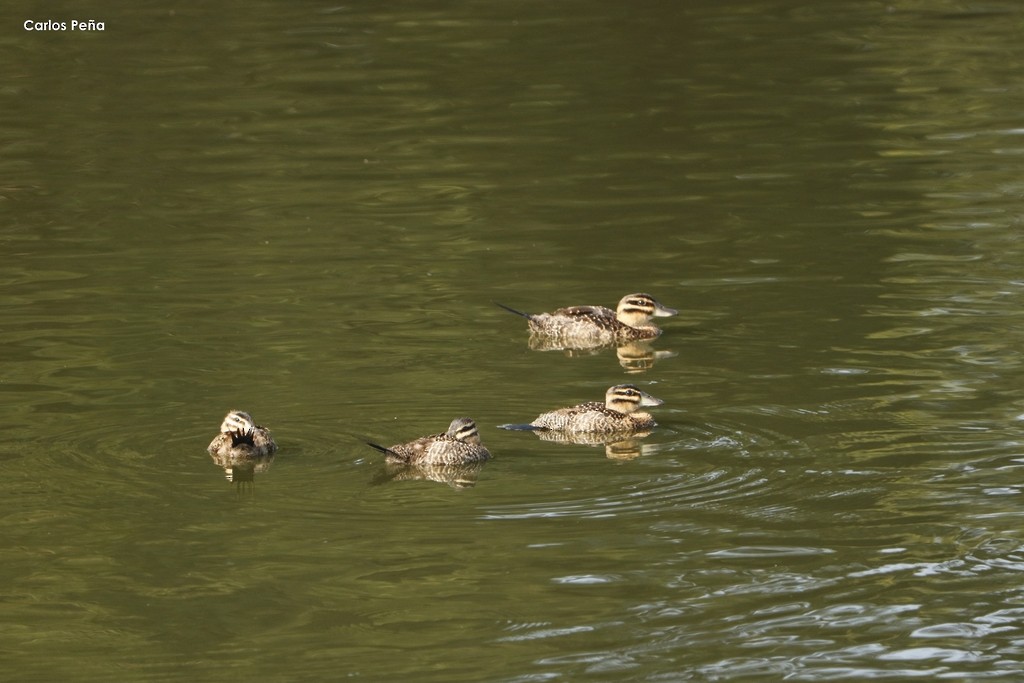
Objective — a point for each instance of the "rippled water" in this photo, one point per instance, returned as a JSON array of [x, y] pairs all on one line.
[[309, 211]]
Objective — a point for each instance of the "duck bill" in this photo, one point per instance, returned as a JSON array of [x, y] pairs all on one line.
[[649, 401], [664, 311]]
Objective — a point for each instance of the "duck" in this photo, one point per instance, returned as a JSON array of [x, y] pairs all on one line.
[[457, 446], [619, 414], [583, 326], [241, 438]]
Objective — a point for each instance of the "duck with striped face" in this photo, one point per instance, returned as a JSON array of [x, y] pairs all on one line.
[[593, 326], [459, 445], [619, 415], [241, 438]]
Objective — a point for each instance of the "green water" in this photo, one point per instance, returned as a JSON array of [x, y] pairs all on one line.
[[308, 210]]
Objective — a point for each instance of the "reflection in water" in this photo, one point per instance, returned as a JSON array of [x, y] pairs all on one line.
[[242, 469], [458, 476], [634, 357], [837, 183], [626, 446]]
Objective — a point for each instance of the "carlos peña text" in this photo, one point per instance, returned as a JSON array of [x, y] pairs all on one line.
[[50, 25]]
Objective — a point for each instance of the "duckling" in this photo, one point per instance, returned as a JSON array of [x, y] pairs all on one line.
[[459, 445], [241, 438], [618, 414], [584, 326]]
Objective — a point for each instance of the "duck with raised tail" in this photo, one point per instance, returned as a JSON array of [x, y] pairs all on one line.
[[241, 438], [459, 445]]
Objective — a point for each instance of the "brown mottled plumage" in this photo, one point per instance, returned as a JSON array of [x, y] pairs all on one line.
[[241, 438], [617, 415], [582, 326], [459, 445]]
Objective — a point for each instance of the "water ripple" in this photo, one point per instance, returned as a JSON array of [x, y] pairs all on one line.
[[681, 469], [644, 497]]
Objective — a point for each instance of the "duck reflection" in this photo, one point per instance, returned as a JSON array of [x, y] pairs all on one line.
[[616, 446], [242, 448], [458, 476], [626, 446], [634, 357], [242, 470]]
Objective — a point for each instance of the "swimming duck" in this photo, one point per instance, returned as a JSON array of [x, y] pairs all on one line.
[[618, 414], [596, 325], [459, 445], [241, 438]]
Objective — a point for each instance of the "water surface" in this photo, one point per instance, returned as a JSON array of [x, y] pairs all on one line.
[[307, 211]]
